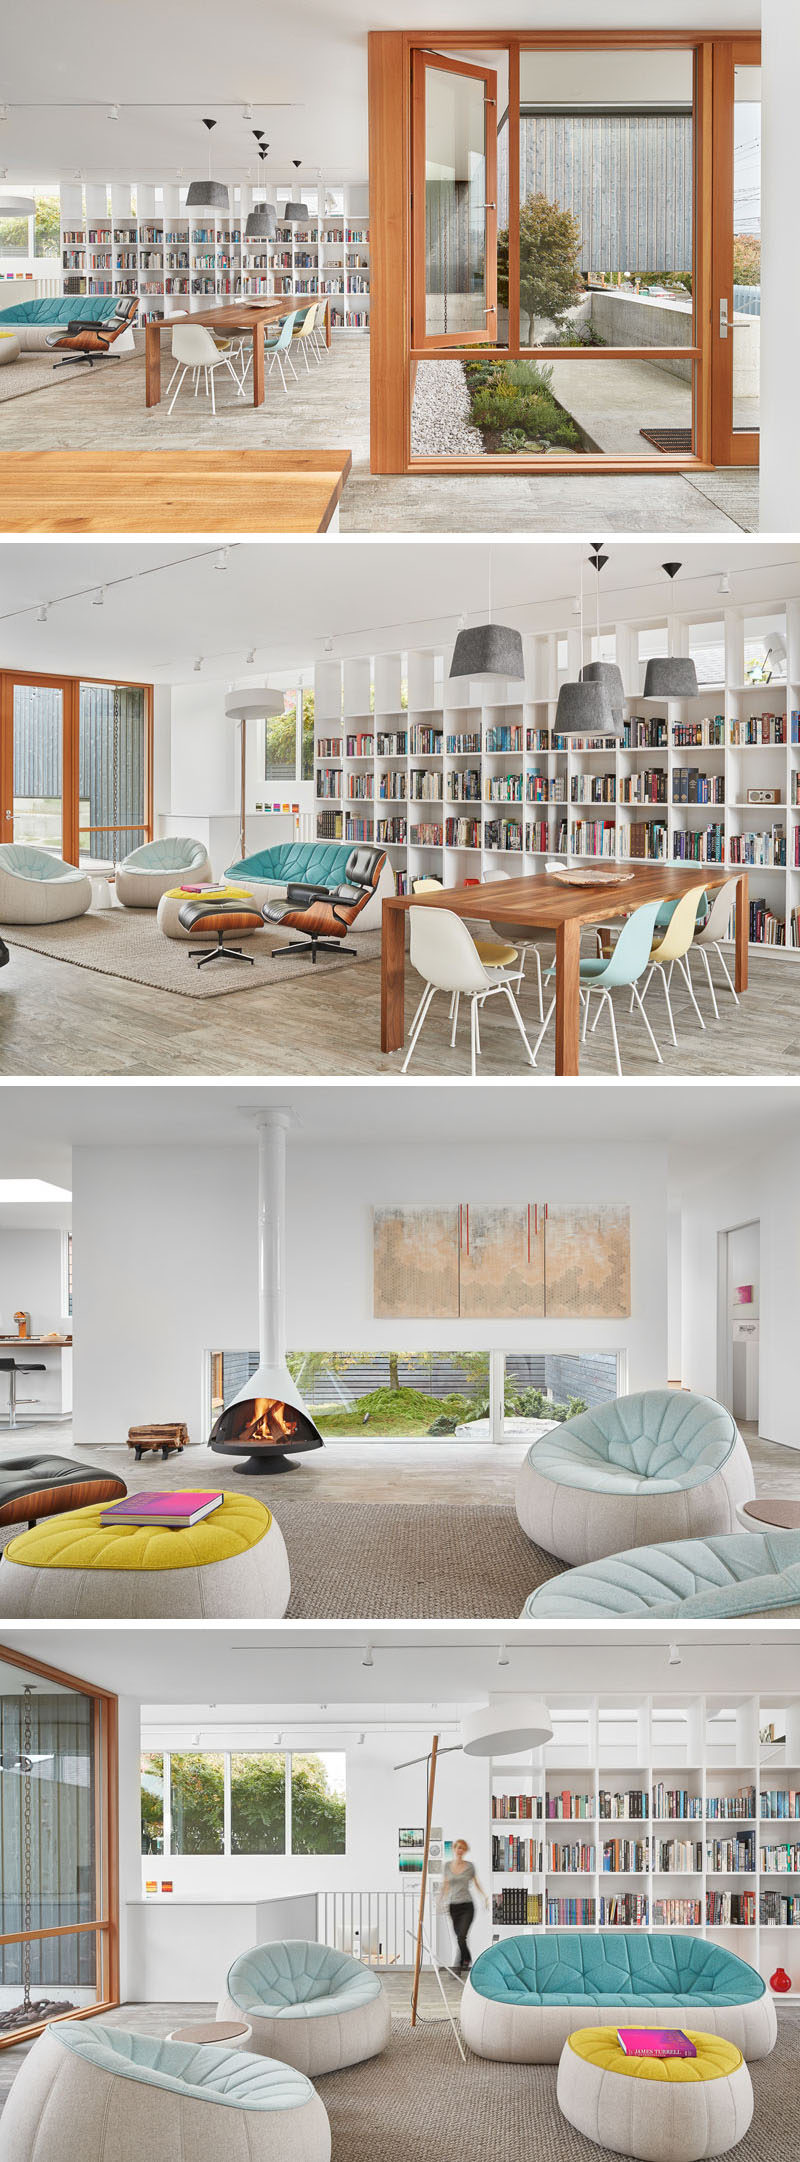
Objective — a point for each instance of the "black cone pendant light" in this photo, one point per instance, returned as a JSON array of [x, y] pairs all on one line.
[[208, 194], [605, 672], [673, 675]]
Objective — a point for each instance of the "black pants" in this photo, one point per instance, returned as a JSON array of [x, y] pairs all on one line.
[[462, 1916]]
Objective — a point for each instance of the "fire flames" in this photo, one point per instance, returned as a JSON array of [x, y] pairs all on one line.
[[271, 1422]]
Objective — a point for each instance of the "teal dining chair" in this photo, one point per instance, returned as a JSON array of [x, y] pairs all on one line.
[[621, 969], [279, 348]]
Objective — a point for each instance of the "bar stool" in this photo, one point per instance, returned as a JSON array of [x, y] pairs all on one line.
[[12, 1368]]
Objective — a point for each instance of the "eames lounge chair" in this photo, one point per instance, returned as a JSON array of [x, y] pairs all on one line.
[[526, 1995], [312, 2007], [92, 2093], [325, 914], [658, 1465], [37, 887], [152, 870], [84, 340]]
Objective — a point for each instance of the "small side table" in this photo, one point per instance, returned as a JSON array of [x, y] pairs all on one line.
[[101, 874], [228, 2033], [770, 1513]]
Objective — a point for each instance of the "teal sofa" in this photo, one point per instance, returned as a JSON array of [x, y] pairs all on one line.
[[728, 1579], [527, 1994], [35, 320], [88, 2092], [657, 1465], [268, 874], [309, 2005]]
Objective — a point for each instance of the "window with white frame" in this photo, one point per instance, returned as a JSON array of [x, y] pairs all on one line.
[[253, 1801]]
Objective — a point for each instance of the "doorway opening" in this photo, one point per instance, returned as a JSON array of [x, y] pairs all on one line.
[[738, 1321]]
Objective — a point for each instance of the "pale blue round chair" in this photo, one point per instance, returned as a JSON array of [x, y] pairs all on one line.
[[619, 970], [526, 1994], [148, 872], [661, 1464], [37, 887], [727, 1579], [313, 2007], [87, 2092]]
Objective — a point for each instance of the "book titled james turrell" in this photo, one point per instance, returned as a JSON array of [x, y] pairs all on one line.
[[655, 2042], [174, 1512]]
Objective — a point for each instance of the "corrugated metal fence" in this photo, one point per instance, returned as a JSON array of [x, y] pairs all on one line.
[[626, 177]]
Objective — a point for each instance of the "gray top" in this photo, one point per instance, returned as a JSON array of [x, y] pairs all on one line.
[[457, 1888]]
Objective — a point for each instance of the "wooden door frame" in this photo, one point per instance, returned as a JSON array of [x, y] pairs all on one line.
[[728, 446], [70, 687], [105, 1925], [394, 356], [423, 59]]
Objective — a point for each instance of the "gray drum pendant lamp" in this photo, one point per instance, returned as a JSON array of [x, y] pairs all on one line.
[[673, 675], [208, 194], [584, 708], [605, 672], [488, 649], [261, 222], [254, 703], [295, 213]]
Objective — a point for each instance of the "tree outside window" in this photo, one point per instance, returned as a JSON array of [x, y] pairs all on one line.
[[197, 1793], [319, 1804], [258, 1803]]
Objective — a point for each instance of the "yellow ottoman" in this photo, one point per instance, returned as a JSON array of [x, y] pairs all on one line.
[[661, 2109], [10, 348], [231, 1566]]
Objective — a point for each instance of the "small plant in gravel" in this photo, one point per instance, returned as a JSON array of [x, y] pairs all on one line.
[[512, 402]]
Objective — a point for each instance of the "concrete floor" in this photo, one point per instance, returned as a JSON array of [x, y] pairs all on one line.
[[105, 410]]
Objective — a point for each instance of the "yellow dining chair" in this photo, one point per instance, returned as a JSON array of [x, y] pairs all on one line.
[[670, 948]]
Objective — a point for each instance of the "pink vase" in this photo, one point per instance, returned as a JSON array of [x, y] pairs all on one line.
[[780, 1981]]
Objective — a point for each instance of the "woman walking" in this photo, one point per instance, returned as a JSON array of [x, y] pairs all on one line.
[[458, 1883]]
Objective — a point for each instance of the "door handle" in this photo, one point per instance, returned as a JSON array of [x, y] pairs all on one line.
[[723, 318]]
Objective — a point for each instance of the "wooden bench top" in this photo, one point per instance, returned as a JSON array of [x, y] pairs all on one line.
[[164, 491]]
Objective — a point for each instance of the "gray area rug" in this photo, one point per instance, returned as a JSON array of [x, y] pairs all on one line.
[[419, 2103], [128, 943], [376, 1561], [35, 371]]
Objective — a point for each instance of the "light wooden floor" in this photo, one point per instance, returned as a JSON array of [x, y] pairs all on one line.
[[59, 1020]]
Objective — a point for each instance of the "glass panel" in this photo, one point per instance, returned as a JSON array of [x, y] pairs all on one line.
[[455, 203], [38, 765], [307, 740], [258, 1803], [527, 408], [280, 742], [606, 212], [47, 1852], [197, 1787], [112, 760], [707, 649], [374, 1394], [765, 657], [746, 247], [152, 1803], [543, 1389], [319, 1803]]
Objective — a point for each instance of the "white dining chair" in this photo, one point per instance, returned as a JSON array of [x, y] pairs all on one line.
[[193, 347], [445, 956], [709, 938]]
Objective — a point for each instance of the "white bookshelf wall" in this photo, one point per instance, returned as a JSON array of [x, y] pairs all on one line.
[[178, 263], [460, 781], [727, 1869]]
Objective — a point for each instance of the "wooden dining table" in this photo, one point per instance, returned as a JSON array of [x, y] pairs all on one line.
[[235, 316], [542, 903]]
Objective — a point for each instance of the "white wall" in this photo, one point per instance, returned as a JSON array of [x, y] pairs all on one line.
[[760, 1187], [780, 286], [184, 1276], [30, 1279]]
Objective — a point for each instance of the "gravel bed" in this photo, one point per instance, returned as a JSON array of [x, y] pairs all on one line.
[[440, 423]]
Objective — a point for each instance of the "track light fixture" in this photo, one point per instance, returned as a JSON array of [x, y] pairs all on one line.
[[674, 1658], [367, 1660], [113, 112], [99, 598], [724, 586], [502, 1656], [42, 612], [222, 559], [198, 664], [251, 657]]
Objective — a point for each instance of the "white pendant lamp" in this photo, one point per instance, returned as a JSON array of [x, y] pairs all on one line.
[[584, 708], [673, 675], [488, 649], [256, 702], [605, 672], [506, 1726], [208, 194], [17, 206]]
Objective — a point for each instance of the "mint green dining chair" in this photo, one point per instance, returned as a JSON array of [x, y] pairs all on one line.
[[621, 969]]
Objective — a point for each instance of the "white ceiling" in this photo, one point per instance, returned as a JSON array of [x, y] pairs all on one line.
[[700, 1123], [310, 1667], [184, 61], [287, 599]]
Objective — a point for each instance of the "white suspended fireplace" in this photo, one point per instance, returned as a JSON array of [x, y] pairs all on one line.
[[267, 1422]]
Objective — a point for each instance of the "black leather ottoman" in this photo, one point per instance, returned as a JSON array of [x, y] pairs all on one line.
[[34, 1486]]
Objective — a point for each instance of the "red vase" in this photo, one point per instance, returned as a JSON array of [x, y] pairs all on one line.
[[780, 1981]]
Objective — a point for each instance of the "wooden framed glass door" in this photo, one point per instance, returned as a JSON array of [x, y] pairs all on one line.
[[454, 120], [76, 764], [736, 279], [35, 763]]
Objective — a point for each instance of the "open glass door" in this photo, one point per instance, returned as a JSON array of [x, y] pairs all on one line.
[[736, 324], [454, 202], [32, 767]]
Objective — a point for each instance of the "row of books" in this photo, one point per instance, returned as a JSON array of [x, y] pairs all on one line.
[[391, 831], [591, 837], [514, 1908], [426, 741], [647, 787], [644, 841], [730, 1909], [503, 739], [515, 1856], [541, 789], [677, 1913], [424, 786], [393, 745], [593, 788], [329, 781], [463, 832], [464, 785], [628, 1910], [781, 1861], [759, 728], [393, 786], [675, 1856], [780, 1910], [703, 845], [358, 829], [728, 1856], [699, 735], [359, 787], [360, 746], [427, 836], [504, 788], [763, 850], [568, 1804], [578, 1857], [329, 747], [503, 834], [458, 745], [675, 1801], [732, 1806], [625, 1856], [516, 1807], [780, 1801], [630, 1802], [767, 929], [689, 785]]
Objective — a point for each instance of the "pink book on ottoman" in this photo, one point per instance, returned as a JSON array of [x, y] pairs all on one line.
[[655, 2042], [175, 1511]]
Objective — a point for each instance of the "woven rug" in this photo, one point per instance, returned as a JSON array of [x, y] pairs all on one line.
[[418, 2102], [384, 1561], [128, 943], [668, 439], [35, 371]]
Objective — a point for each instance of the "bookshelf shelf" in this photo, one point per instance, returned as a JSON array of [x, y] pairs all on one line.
[[676, 787]]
